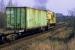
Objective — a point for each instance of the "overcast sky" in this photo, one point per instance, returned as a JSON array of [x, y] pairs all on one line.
[[59, 6]]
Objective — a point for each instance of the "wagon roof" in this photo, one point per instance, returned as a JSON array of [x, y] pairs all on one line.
[[31, 8]]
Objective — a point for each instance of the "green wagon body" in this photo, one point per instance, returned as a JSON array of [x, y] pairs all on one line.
[[36, 18], [25, 18], [19, 20]]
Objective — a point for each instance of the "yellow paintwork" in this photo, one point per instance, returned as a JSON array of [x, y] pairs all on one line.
[[51, 17]]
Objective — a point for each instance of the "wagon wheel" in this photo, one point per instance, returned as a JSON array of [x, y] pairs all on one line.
[[2, 39], [42, 29], [12, 37]]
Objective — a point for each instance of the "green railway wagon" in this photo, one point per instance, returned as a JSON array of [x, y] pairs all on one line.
[[19, 20], [25, 18]]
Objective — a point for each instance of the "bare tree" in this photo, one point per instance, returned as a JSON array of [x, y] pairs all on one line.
[[2, 6], [72, 18], [71, 12], [11, 4]]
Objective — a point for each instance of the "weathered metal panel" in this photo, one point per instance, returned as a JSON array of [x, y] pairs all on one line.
[[11, 18], [51, 17], [36, 18], [23, 18], [30, 18], [43, 18], [54, 18], [8, 17], [15, 18], [18, 18]]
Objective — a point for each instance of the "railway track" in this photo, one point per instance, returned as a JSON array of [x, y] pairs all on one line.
[[29, 39]]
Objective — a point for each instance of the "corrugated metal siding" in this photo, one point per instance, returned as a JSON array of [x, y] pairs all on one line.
[[36, 18], [30, 18], [8, 17], [16, 18], [21, 17], [43, 18]]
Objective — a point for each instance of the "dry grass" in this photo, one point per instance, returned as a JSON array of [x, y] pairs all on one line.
[[42, 42], [63, 33], [71, 44]]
